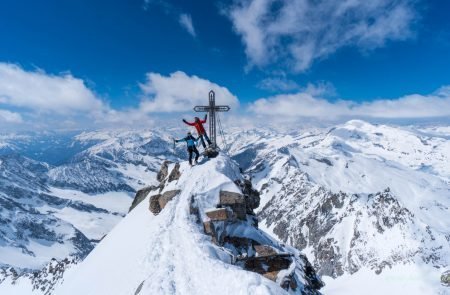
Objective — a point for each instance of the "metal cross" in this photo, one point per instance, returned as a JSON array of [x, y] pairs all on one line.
[[212, 109]]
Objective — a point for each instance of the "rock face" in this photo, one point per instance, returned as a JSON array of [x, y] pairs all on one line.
[[158, 201], [141, 195], [154, 207], [163, 172], [166, 197], [175, 174], [233, 225], [236, 202], [252, 196]]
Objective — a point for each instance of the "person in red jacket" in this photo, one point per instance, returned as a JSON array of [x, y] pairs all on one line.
[[198, 124]]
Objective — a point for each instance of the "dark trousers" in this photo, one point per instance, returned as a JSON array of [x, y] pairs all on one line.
[[193, 149], [203, 141]]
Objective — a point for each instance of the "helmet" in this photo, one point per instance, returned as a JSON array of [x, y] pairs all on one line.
[[197, 119], [189, 133]]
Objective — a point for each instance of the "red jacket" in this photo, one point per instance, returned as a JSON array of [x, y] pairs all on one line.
[[198, 125]]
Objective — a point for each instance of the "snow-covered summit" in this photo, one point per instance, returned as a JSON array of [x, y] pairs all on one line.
[[170, 254]]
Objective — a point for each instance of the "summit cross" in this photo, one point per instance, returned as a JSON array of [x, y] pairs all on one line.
[[212, 109]]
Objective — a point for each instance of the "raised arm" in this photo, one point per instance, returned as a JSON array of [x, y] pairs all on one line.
[[204, 120], [186, 122]]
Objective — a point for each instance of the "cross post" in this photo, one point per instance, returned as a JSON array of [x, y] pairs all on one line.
[[212, 109]]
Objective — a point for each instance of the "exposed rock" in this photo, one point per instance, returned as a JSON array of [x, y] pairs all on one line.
[[141, 195], [207, 227], [271, 275], [154, 204], [264, 250], [445, 278], [218, 214], [270, 263], [235, 201], [163, 172], [251, 196], [175, 173], [193, 209], [166, 197], [230, 198], [211, 152]]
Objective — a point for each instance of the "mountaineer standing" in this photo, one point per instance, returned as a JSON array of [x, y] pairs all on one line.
[[198, 124], [190, 141]]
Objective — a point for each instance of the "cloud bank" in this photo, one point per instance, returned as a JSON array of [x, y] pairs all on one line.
[[180, 92], [36, 99], [298, 32], [311, 104], [42, 92]]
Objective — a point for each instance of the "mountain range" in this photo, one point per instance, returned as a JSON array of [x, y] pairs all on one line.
[[364, 202]]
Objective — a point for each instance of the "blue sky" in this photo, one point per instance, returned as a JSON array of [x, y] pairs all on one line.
[[261, 51]]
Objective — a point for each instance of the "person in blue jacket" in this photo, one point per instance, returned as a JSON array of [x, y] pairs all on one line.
[[190, 141]]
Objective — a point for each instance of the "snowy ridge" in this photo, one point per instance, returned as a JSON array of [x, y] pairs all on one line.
[[168, 253]]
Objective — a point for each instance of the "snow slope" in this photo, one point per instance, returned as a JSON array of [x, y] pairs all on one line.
[[168, 253]]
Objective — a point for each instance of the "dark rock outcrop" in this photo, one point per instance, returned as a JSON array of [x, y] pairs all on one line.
[[166, 197], [154, 204], [175, 173], [163, 172], [252, 196], [141, 195], [159, 201]]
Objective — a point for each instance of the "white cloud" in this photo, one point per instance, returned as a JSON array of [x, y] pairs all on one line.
[[179, 92], [298, 32], [186, 22], [174, 11], [278, 84], [10, 117], [38, 91], [309, 104]]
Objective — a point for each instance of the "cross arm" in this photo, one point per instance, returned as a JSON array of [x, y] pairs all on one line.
[[208, 108]]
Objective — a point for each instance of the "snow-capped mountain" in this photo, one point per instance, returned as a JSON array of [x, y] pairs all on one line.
[[171, 252], [118, 161], [63, 211], [30, 235], [356, 197], [367, 203]]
